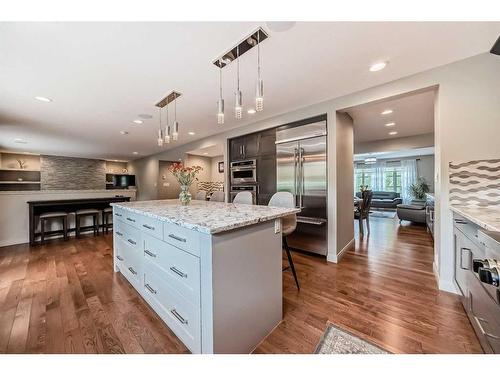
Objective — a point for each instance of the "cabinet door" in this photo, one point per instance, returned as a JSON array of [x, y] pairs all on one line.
[[251, 146], [463, 261], [267, 141], [266, 177], [236, 146]]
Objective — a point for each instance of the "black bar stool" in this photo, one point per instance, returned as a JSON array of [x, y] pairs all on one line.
[[106, 214], [53, 215], [87, 212]]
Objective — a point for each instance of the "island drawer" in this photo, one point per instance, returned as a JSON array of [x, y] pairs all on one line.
[[118, 214], [130, 263], [129, 234], [182, 317], [126, 216], [151, 226], [183, 238], [181, 269]]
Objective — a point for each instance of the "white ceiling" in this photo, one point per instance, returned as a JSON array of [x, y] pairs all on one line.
[[209, 151], [102, 75], [413, 114]]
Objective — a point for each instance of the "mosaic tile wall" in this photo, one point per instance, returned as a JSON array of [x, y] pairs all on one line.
[[63, 173], [210, 187], [475, 183]]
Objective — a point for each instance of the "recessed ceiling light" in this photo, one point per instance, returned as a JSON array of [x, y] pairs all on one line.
[[137, 121], [387, 112], [135, 153], [393, 133], [251, 111], [145, 116], [123, 132], [191, 133], [378, 66], [389, 124], [43, 99], [19, 140]]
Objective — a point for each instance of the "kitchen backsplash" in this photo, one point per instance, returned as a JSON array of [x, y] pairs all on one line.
[[475, 183]]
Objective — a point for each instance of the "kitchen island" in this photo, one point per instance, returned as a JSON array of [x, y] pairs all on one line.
[[210, 270]]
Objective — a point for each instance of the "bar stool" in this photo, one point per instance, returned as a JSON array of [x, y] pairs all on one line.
[[87, 212], [53, 215], [106, 214]]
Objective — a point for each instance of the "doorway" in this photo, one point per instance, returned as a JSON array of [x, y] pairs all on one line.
[[168, 186]]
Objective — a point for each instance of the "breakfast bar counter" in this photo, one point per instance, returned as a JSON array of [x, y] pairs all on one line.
[[210, 270]]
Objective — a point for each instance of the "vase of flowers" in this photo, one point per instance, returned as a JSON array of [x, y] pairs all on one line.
[[186, 176]]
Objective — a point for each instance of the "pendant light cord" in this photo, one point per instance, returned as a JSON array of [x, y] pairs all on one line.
[[220, 78], [258, 54], [238, 65], [159, 109]]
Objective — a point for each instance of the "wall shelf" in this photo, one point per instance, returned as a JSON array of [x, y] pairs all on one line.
[[19, 182], [19, 170]]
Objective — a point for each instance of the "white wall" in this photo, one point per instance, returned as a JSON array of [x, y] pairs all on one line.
[[216, 176], [467, 118]]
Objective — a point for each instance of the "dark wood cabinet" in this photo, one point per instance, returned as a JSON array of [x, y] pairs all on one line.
[[266, 177], [236, 147], [253, 145], [267, 141]]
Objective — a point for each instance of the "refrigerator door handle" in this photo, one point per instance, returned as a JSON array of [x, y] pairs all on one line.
[[295, 192], [301, 176]]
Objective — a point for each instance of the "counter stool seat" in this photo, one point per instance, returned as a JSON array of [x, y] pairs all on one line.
[[87, 212], [106, 213], [53, 215]]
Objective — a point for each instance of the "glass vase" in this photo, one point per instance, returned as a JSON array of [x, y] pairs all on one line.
[[185, 195]]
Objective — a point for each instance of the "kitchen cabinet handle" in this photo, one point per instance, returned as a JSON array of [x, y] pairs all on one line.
[[177, 237], [462, 256], [132, 241], [481, 328], [119, 257], [148, 227], [148, 287], [460, 221], [152, 255], [130, 219], [178, 272], [134, 272], [119, 233], [117, 214], [178, 316]]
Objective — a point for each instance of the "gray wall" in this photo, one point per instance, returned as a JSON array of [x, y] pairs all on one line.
[[63, 173]]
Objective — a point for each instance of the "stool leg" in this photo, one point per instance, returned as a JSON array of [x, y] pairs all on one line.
[[103, 222], [77, 226], [65, 228], [290, 261], [42, 231]]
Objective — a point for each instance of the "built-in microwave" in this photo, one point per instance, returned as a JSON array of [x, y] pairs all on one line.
[[244, 172]]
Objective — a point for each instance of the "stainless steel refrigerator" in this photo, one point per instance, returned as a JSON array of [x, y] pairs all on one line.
[[302, 170]]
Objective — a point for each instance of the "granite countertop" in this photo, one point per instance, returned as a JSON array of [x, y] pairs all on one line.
[[206, 217], [486, 217]]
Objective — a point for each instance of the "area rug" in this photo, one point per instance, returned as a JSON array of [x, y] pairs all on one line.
[[384, 214], [338, 341]]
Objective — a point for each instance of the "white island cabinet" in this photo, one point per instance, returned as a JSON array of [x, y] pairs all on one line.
[[211, 271]]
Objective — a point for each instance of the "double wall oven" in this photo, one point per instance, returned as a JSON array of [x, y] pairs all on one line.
[[244, 178]]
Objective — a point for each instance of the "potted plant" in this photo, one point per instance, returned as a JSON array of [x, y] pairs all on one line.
[[186, 176], [418, 190]]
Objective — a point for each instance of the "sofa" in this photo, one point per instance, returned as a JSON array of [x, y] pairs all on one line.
[[415, 212], [384, 199]]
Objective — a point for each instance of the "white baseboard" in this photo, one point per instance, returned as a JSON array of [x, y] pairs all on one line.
[[13, 241], [347, 247], [444, 285]]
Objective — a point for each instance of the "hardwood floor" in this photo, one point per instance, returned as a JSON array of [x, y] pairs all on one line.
[[63, 297]]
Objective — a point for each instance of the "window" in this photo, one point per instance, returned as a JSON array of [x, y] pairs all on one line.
[[385, 177], [363, 176], [392, 179]]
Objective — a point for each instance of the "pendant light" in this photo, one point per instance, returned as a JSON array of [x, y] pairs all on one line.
[[238, 108], [160, 132], [220, 102], [167, 129], [259, 92], [175, 126]]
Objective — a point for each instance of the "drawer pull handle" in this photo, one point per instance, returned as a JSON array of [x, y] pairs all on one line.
[[459, 221], [132, 241], [177, 238], [148, 287], [148, 227], [152, 255], [117, 214], [119, 233], [130, 219], [132, 270], [462, 256], [178, 272], [119, 257], [478, 321], [178, 316]]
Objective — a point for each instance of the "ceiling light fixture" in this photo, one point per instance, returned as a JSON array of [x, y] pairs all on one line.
[[191, 133], [167, 129], [135, 153], [171, 132], [43, 99], [205, 153], [238, 107], [389, 124], [251, 111], [378, 66], [160, 131], [175, 126], [137, 121], [259, 90], [220, 102], [393, 133], [387, 112]]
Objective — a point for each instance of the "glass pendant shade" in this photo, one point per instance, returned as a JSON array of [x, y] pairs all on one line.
[[160, 137], [238, 107], [220, 111], [175, 131], [259, 96], [167, 134]]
